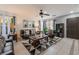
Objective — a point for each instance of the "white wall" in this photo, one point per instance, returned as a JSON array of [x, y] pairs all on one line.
[[21, 12], [63, 19]]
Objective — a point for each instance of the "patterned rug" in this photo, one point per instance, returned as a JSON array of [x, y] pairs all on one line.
[[41, 48]]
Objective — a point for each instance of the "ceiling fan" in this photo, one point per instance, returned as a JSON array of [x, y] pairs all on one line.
[[42, 13]]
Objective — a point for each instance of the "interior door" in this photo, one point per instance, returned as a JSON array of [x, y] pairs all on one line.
[[73, 28]]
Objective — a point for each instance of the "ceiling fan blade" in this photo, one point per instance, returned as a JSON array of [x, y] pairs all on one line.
[[46, 14]]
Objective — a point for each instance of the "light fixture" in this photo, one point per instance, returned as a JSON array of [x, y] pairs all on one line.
[[42, 13], [71, 11]]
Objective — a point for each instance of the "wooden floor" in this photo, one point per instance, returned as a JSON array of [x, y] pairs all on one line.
[[66, 46]]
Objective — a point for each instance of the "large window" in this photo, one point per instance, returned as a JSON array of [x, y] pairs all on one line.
[[7, 24]]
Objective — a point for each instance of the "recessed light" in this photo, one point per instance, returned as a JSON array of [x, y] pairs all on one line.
[[71, 11]]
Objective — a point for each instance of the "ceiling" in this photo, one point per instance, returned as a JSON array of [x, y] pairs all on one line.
[[60, 9], [30, 10]]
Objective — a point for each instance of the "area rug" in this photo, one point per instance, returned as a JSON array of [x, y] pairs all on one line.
[[41, 48]]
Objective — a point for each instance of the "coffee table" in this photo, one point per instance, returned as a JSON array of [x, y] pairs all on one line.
[[38, 37]]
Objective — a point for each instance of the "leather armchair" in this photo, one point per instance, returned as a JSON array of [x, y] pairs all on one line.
[[50, 34], [23, 35]]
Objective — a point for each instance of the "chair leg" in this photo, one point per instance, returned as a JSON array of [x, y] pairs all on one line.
[[32, 52]]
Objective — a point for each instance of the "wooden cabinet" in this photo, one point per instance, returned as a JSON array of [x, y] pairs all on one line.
[[60, 30]]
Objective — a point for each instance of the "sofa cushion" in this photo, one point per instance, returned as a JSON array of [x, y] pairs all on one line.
[[8, 52], [8, 44], [7, 48]]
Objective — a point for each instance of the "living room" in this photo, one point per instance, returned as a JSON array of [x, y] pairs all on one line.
[[39, 29]]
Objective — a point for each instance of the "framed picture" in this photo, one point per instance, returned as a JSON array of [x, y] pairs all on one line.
[[25, 24], [28, 24]]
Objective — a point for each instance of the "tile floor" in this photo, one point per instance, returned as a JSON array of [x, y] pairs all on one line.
[[66, 46]]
